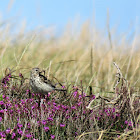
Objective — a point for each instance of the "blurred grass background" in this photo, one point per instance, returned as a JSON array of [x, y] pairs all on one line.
[[86, 54]]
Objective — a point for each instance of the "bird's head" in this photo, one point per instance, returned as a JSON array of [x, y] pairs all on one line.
[[35, 71]]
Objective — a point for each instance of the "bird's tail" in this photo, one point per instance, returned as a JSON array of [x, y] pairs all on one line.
[[59, 89]]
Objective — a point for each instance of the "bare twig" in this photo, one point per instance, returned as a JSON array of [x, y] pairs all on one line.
[[119, 75]]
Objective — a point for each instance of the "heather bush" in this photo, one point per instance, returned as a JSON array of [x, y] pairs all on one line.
[[71, 115]]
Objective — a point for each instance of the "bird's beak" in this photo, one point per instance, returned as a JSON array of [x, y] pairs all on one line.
[[42, 71]]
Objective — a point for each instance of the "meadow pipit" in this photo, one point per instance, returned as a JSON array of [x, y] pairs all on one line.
[[40, 84]]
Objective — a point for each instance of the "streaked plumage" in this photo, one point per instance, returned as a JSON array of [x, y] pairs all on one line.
[[40, 84]]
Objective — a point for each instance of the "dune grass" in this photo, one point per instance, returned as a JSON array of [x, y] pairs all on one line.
[[82, 62]]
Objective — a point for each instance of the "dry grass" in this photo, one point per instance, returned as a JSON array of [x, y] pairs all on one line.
[[86, 55], [70, 58]]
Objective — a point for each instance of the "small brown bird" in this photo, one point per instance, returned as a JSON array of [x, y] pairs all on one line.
[[40, 84]]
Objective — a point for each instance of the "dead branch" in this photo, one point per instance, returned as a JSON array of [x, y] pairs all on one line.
[[119, 75]]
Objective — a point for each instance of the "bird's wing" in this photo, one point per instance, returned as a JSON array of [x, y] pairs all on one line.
[[45, 80]]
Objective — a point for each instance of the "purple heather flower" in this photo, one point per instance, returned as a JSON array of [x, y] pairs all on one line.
[[49, 103], [16, 105], [19, 111], [98, 118], [53, 110], [0, 119], [84, 112], [11, 111], [9, 105], [7, 98], [46, 129], [101, 113], [126, 122], [113, 110], [108, 114], [50, 119], [80, 96], [130, 123], [62, 125], [57, 108], [79, 103], [5, 86], [8, 131], [13, 135], [20, 74], [76, 133], [27, 90], [54, 103], [67, 117], [113, 116], [93, 97], [33, 107], [64, 107], [7, 79], [1, 102], [19, 131], [19, 125], [5, 110], [73, 107], [84, 94], [52, 136], [31, 100], [22, 101], [28, 125], [44, 122], [117, 115], [3, 96], [75, 93], [2, 134], [67, 111], [49, 93], [109, 109], [26, 131], [1, 111], [28, 135]]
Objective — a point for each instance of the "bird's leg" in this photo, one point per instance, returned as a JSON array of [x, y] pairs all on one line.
[[41, 103], [65, 92], [29, 94], [41, 108], [46, 97], [39, 99]]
